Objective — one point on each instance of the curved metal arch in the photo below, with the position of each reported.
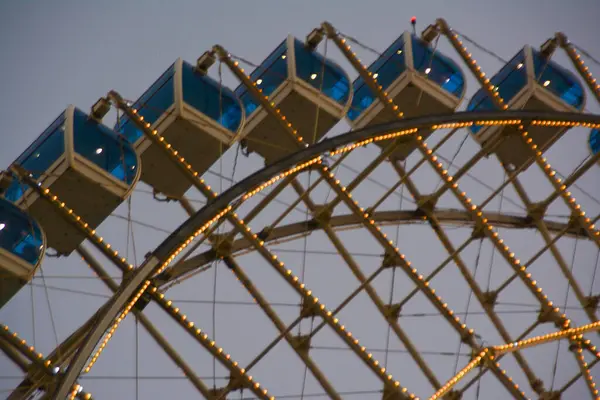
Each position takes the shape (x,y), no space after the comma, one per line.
(209,211)
(350,221)
(255,179)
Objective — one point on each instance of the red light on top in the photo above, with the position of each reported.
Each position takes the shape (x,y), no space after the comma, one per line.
(413,20)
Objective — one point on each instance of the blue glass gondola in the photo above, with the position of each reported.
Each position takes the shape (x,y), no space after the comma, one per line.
(196,115)
(22,247)
(594,141)
(86,164)
(419,80)
(311,91)
(530,81)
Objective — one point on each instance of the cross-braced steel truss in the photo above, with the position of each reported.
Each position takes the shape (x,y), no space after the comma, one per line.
(221,233)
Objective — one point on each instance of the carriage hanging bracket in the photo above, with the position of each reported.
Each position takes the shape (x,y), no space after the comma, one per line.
(205,61)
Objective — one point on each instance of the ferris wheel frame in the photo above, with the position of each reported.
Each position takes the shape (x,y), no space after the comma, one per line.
(138,280)
(135,281)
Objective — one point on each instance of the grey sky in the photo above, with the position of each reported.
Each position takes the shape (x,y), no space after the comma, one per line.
(72,52)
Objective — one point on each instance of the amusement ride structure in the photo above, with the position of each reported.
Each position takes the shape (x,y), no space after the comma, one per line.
(403,109)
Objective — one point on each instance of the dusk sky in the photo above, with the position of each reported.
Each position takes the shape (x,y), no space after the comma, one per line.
(59,53)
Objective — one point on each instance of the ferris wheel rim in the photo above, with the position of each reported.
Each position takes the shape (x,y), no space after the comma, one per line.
(292,231)
(256,178)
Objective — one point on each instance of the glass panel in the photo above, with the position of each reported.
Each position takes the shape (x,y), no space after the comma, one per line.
(268,76)
(152,105)
(595,141)
(202,93)
(19,234)
(437,67)
(558,80)
(105,148)
(309,68)
(509,81)
(39,156)
(386,69)
(15,190)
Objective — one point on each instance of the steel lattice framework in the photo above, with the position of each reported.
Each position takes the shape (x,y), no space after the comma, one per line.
(235,209)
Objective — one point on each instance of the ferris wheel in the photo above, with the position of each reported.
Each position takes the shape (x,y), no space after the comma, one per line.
(311,245)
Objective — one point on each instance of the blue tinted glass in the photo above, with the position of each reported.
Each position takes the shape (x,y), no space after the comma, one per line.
(387,68)
(40,156)
(203,93)
(15,191)
(309,68)
(152,105)
(103,147)
(437,67)
(268,76)
(19,234)
(595,141)
(558,80)
(509,81)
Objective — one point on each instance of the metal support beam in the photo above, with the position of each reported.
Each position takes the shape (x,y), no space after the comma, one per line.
(353,265)
(560,261)
(534,381)
(150,328)
(272,315)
